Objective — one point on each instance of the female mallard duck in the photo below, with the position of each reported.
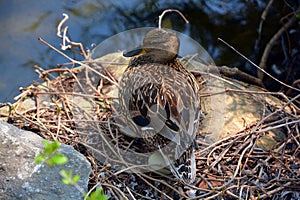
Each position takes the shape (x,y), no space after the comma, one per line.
(160,102)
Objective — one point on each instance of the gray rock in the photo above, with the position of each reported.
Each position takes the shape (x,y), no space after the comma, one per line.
(21,178)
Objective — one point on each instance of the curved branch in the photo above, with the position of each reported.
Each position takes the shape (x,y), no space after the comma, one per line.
(271,43)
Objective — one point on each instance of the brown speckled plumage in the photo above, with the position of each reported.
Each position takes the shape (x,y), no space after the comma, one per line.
(160,102)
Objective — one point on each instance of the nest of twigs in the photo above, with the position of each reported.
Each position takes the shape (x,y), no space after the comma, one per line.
(231,168)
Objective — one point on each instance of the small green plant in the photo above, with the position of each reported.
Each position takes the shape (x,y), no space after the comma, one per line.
(97,195)
(50,156)
(68,178)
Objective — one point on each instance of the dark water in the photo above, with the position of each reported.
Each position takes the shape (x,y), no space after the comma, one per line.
(92,21)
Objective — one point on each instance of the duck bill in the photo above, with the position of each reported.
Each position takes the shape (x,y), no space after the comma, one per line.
(135,52)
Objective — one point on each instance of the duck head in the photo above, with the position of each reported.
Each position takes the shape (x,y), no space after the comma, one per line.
(161,45)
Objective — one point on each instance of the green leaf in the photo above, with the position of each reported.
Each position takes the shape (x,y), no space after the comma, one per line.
(39,159)
(76,178)
(97,195)
(49,162)
(50,148)
(46,143)
(65,181)
(47,146)
(64,173)
(59,159)
(55,145)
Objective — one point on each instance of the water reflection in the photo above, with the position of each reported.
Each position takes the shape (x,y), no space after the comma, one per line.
(92,21)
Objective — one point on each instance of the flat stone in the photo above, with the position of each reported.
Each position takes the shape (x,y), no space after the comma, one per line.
(21,178)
